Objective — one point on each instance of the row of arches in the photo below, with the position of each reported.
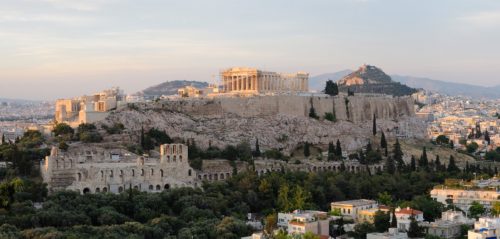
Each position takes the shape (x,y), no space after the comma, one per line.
(151,188)
(132,173)
(214,176)
(63,164)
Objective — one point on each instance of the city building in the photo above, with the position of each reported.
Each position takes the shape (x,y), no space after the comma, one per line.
(351,208)
(302,221)
(463,197)
(88,109)
(368,215)
(404,217)
(449,226)
(485,228)
(393,233)
(254,81)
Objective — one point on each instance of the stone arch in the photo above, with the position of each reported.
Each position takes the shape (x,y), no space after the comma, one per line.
(136,187)
(57,163)
(111,173)
(175,157)
(221,176)
(142,172)
(151,187)
(121,173)
(79,177)
(189,172)
(167,186)
(86,190)
(228,175)
(152,172)
(158,187)
(120,189)
(209,176)
(97,190)
(133,173)
(102,174)
(161,173)
(216,176)
(70,163)
(104,189)
(205,176)
(63,163)
(168,158)
(180,158)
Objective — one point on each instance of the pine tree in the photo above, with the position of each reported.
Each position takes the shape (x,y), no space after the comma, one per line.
(413,166)
(389,166)
(331,151)
(331,88)
(383,142)
(374,129)
(338,149)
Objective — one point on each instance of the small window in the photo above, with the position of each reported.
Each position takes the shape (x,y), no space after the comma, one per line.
(142,172)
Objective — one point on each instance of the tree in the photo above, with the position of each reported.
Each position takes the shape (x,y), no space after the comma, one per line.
(389,166)
(257,148)
(270,223)
(361,229)
(338,149)
(452,167)
(312,113)
(442,140)
(413,164)
(415,230)
(394,221)
(300,198)
(398,154)
(381,221)
(383,142)
(63,146)
(331,88)
(384,198)
(307,150)
(331,151)
(374,127)
(424,161)
(495,209)
(487,137)
(63,129)
(472,147)
(284,203)
(3,139)
(476,209)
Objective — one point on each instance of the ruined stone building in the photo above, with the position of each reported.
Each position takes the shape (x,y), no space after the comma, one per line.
(88,109)
(93,170)
(252,80)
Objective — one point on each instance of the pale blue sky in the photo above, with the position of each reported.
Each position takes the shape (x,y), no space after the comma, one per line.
(59,48)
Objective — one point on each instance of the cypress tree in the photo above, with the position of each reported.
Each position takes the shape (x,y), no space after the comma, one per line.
(338,149)
(374,125)
(257,148)
(398,153)
(437,162)
(331,88)
(331,151)
(394,221)
(307,151)
(487,137)
(452,167)
(383,142)
(389,166)
(424,161)
(3,139)
(413,166)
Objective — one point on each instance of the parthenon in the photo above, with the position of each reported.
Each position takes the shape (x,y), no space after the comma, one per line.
(252,80)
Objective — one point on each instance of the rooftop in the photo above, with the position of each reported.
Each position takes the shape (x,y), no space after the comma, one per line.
(355,203)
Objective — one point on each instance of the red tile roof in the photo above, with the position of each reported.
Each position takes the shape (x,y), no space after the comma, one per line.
(409,211)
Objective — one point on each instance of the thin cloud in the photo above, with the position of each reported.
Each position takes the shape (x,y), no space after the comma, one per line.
(483,19)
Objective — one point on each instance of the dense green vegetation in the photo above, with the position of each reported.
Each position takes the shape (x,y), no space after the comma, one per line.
(215,211)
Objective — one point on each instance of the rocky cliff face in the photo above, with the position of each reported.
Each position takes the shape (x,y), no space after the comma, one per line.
(171,87)
(229,121)
(370,79)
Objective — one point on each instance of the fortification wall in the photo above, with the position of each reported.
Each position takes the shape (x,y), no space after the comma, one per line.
(358,108)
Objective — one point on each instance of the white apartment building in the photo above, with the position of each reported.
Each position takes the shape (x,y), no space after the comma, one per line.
(485,228)
(299,222)
(404,216)
(449,226)
(393,233)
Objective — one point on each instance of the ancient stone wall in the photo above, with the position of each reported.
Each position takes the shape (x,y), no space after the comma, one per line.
(358,108)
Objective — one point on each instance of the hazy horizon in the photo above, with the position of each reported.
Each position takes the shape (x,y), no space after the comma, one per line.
(62,48)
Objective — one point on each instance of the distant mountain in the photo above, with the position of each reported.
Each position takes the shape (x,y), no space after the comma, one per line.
(171,87)
(371,79)
(450,88)
(317,83)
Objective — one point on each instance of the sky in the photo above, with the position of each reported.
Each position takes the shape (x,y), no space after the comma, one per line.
(53,49)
